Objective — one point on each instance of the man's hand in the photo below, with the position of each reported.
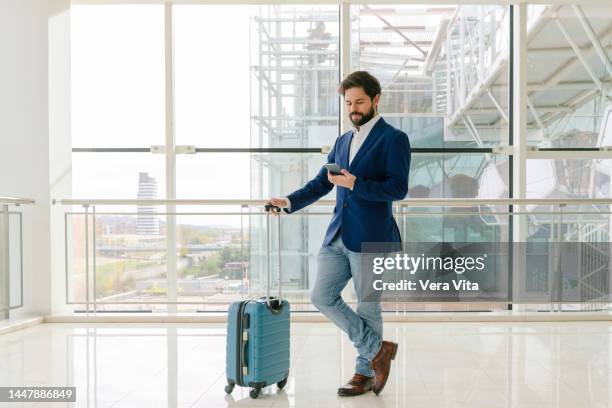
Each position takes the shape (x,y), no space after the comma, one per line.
(278,202)
(345,179)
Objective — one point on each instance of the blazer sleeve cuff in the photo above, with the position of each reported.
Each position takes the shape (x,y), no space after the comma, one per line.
(288,209)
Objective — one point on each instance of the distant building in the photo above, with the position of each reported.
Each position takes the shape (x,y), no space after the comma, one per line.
(235,270)
(147,223)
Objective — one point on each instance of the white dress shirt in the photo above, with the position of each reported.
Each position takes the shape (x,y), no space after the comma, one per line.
(359,136)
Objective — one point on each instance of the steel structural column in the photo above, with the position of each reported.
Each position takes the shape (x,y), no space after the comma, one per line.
(170,162)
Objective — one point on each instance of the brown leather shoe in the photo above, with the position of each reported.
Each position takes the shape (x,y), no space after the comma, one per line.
(357,385)
(382,365)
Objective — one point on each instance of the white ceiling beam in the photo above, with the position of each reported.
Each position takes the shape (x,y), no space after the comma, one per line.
(536,116)
(561,86)
(413,43)
(500,65)
(579,55)
(568,67)
(557,52)
(405,29)
(387,55)
(436,46)
(541,109)
(393,67)
(599,49)
(498,106)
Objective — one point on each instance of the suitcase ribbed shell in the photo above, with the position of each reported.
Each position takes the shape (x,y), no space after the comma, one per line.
(268,344)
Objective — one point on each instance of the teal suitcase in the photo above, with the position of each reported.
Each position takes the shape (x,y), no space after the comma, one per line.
(258,345)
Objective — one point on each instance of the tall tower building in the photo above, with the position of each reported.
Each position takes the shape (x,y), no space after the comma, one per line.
(148,222)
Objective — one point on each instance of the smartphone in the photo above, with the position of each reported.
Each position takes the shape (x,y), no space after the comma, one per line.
(333,168)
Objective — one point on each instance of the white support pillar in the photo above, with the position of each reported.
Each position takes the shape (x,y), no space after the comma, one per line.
(60,151)
(25,143)
(170,163)
(519,126)
(520,100)
(345,59)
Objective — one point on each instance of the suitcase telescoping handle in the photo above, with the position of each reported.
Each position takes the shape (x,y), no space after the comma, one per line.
(269,208)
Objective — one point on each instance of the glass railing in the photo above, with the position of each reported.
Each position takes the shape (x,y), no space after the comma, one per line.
(11,254)
(190,256)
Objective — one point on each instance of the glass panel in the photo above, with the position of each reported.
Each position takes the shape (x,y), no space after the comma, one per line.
(578,269)
(295,75)
(10,253)
(429,59)
(15,261)
(117,75)
(588,277)
(75,259)
(222,258)
(567,108)
(284,173)
(212,78)
(243,175)
(423,131)
(564,178)
(118,175)
(213,176)
(130,258)
(276,85)
(458,175)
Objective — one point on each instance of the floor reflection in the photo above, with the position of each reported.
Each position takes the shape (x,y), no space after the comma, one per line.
(438,365)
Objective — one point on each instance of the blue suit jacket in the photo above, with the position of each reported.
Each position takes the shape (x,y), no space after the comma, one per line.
(364,214)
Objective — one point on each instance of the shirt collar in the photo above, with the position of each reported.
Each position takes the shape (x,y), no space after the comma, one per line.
(364,129)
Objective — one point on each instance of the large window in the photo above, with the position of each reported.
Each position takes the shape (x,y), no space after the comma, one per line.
(251,93)
(568,83)
(117,83)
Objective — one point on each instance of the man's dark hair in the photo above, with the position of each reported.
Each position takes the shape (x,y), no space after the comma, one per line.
(361,79)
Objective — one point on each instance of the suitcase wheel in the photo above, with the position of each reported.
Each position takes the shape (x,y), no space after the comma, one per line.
(282,384)
(254,393)
(229,388)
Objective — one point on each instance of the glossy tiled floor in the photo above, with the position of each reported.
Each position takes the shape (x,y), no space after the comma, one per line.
(438,365)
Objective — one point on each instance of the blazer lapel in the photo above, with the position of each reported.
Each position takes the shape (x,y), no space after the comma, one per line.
(343,156)
(372,137)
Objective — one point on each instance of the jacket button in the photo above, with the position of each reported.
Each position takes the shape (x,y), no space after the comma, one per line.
(345,205)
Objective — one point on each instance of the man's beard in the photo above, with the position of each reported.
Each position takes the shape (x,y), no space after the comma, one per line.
(362,119)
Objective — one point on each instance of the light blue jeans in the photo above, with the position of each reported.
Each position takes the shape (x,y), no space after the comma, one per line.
(364,326)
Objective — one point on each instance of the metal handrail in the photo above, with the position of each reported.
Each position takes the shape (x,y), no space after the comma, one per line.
(411,202)
(16,200)
(91,204)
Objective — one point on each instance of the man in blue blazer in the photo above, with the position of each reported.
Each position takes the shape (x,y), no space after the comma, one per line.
(375,161)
